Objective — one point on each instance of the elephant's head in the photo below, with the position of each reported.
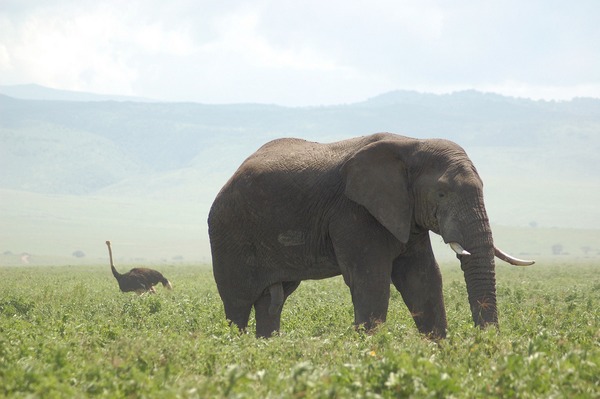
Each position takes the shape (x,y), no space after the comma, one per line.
(415,185)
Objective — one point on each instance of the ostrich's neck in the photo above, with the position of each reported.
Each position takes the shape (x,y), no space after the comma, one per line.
(115,272)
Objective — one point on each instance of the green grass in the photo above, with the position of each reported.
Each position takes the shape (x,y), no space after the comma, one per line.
(68,332)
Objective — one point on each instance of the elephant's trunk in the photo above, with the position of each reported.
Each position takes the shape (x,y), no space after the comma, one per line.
(480,277)
(469,234)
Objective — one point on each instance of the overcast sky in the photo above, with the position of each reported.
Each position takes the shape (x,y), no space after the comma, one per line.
(305,52)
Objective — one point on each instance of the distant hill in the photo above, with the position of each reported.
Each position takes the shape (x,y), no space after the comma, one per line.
(37,92)
(91,145)
(539,159)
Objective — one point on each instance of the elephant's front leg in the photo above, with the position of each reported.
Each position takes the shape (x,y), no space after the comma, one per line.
(365,262)
(416,275)
(370,297)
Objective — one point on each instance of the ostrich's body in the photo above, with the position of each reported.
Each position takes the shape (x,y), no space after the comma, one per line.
(139,279)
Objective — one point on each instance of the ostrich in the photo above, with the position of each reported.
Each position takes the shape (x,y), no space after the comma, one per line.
(139,279)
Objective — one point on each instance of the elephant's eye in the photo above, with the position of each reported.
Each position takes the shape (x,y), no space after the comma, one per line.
(441,194)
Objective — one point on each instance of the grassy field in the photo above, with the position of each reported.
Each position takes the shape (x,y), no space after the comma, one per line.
(66,331)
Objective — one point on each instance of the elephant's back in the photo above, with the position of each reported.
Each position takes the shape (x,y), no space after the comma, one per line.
(286,154)
(283,175)
(293,155)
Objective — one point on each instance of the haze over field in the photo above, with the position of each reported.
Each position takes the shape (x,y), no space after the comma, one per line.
(76,173)
(113,152)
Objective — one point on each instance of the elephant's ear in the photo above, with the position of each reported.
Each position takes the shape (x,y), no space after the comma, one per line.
(377,179)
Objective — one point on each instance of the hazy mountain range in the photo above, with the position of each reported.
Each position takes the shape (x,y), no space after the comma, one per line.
(540,160)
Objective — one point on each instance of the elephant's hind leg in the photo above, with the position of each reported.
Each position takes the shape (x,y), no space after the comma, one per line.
(267,322)
(238,314)
(268,307)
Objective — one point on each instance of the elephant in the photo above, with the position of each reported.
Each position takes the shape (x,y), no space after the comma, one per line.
(363,208)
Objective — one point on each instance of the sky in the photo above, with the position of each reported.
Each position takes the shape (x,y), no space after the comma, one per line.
(304,52)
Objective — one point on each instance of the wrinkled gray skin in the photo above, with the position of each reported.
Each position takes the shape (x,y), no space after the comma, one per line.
(363,208)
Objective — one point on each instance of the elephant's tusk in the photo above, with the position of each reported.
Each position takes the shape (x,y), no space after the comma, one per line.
(512,260)
(456,247)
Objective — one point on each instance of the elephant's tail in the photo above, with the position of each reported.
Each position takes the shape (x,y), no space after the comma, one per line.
(276,292)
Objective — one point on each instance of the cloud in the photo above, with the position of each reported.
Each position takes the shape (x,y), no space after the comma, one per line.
(71,49)
(238,37)
(295,53)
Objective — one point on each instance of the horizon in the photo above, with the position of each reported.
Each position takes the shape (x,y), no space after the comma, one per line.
(48,92)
